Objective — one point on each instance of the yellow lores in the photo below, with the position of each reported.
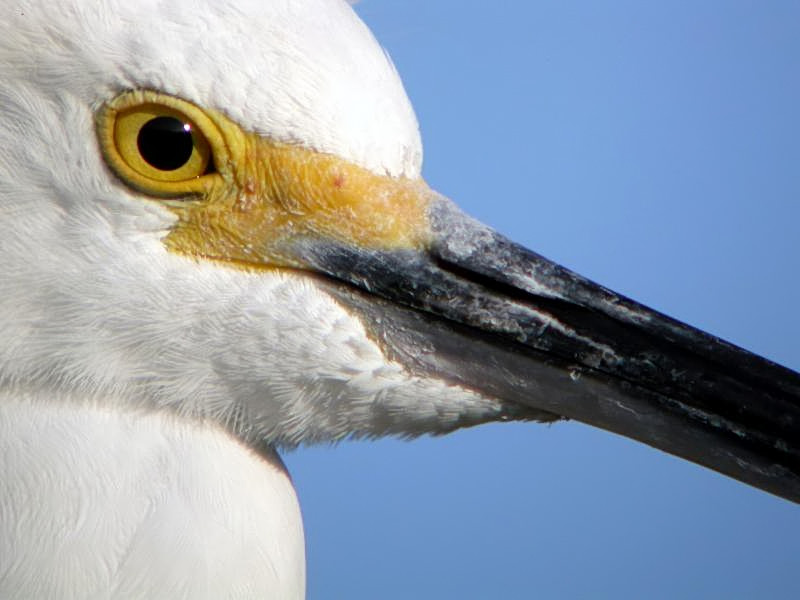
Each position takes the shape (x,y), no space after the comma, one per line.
(243,196)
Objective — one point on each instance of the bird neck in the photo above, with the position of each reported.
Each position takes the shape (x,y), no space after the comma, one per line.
(140,505)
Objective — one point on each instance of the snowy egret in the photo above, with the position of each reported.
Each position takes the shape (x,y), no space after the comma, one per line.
(285,279)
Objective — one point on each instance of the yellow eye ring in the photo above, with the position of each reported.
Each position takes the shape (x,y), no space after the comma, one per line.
(160,144)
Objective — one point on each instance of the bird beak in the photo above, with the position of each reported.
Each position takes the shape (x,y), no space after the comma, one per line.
(452,299)
(482,312)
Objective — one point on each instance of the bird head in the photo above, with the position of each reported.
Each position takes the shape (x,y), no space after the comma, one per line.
(217,211)
(189,285)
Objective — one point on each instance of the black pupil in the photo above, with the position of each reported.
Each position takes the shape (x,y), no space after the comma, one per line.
(165,143)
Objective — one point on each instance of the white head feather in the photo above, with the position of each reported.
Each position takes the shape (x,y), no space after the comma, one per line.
(94,307)
(305,72)
(106,337)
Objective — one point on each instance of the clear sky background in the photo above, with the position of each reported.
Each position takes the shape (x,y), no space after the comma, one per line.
(655,148)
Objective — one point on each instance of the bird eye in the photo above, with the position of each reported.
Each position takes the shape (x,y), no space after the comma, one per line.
(165,143)
(161,143)
(157,143)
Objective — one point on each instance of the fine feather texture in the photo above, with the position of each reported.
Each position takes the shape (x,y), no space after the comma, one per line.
(114,350)
(306,72)
(153,508)
(94,305)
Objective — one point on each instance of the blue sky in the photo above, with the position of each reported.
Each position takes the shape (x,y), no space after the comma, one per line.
(655,148)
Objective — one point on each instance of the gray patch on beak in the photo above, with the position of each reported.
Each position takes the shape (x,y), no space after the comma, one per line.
(481,311)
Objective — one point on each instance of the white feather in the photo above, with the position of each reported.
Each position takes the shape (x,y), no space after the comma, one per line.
(139,390)
(303,71)
(153,508)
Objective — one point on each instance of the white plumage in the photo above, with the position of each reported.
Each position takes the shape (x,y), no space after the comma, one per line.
(122,361)
(132,504)
(146,377)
